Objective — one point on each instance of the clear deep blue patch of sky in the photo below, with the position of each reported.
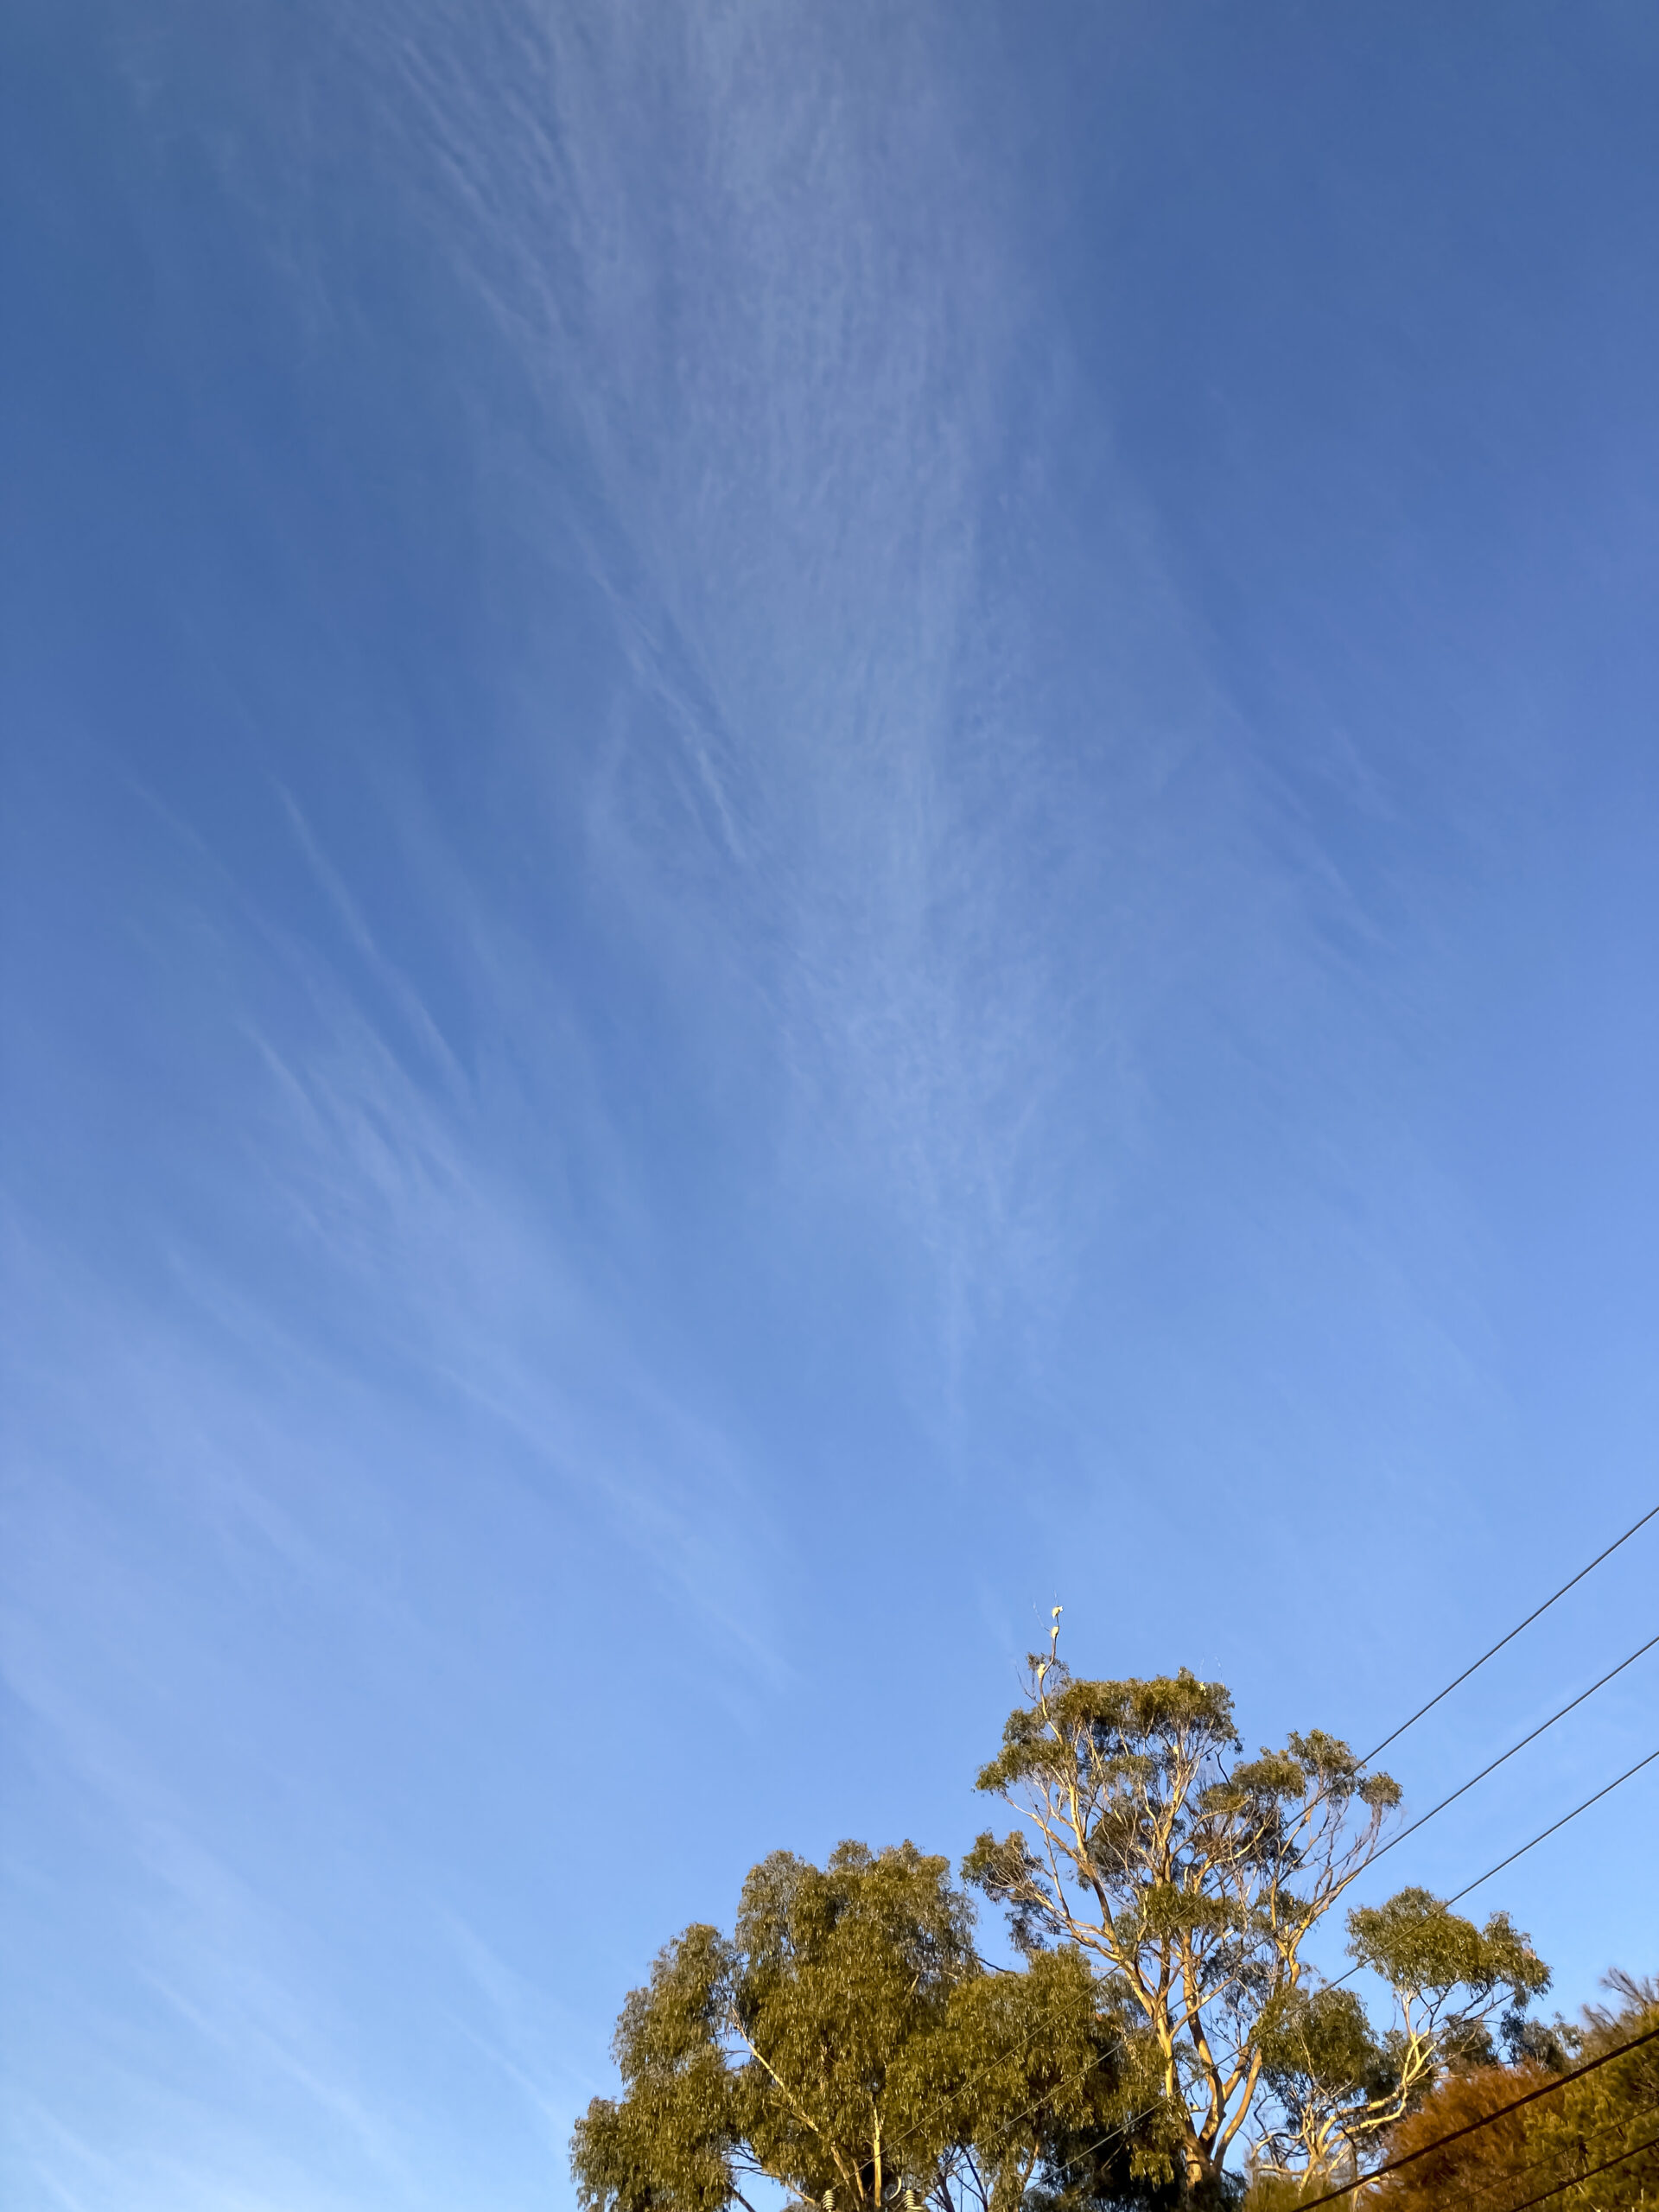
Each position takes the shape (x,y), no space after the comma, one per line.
(818,824)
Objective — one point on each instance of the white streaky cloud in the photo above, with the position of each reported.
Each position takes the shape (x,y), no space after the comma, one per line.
(792,360)
(391,1198)
(466,1278)
(57,2158)
(527,2034)
(786,361)
(762,280)
(215,1954)
(390,977)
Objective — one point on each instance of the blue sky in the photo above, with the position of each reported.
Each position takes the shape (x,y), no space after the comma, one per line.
(818,824)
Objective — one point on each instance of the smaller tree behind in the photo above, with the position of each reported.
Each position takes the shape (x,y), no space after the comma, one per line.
(1334,2084)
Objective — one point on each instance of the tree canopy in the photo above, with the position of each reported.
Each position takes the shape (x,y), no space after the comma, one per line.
(847,2042)
(1161,2037)
(1188,1876)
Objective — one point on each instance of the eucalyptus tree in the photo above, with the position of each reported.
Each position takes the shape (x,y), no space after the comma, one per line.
(1190,1879)
(848,2043)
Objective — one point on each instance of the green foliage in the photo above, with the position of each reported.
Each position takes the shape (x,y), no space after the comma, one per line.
(1320,2041)
(1136,1732)
(1417,1945)
(848,2043)
(845,1980)
(669,2143)
(1189,1876)
(1332,2083)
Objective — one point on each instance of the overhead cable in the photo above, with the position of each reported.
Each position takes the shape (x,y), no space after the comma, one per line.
(1652,1512)
(1561,2187)
(1605,1790)
(1458,1895)
(1412,1829)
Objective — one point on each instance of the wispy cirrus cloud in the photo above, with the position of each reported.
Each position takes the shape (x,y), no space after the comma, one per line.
(764,285)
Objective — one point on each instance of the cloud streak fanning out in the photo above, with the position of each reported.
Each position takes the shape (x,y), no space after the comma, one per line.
(765,285)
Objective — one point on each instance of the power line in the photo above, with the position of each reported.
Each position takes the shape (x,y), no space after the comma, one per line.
(1561,2187)
(1604,1791)
(1473,2127)
(1475,1666)
(1574,1702)
(1652,1512)
(1458,1895)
